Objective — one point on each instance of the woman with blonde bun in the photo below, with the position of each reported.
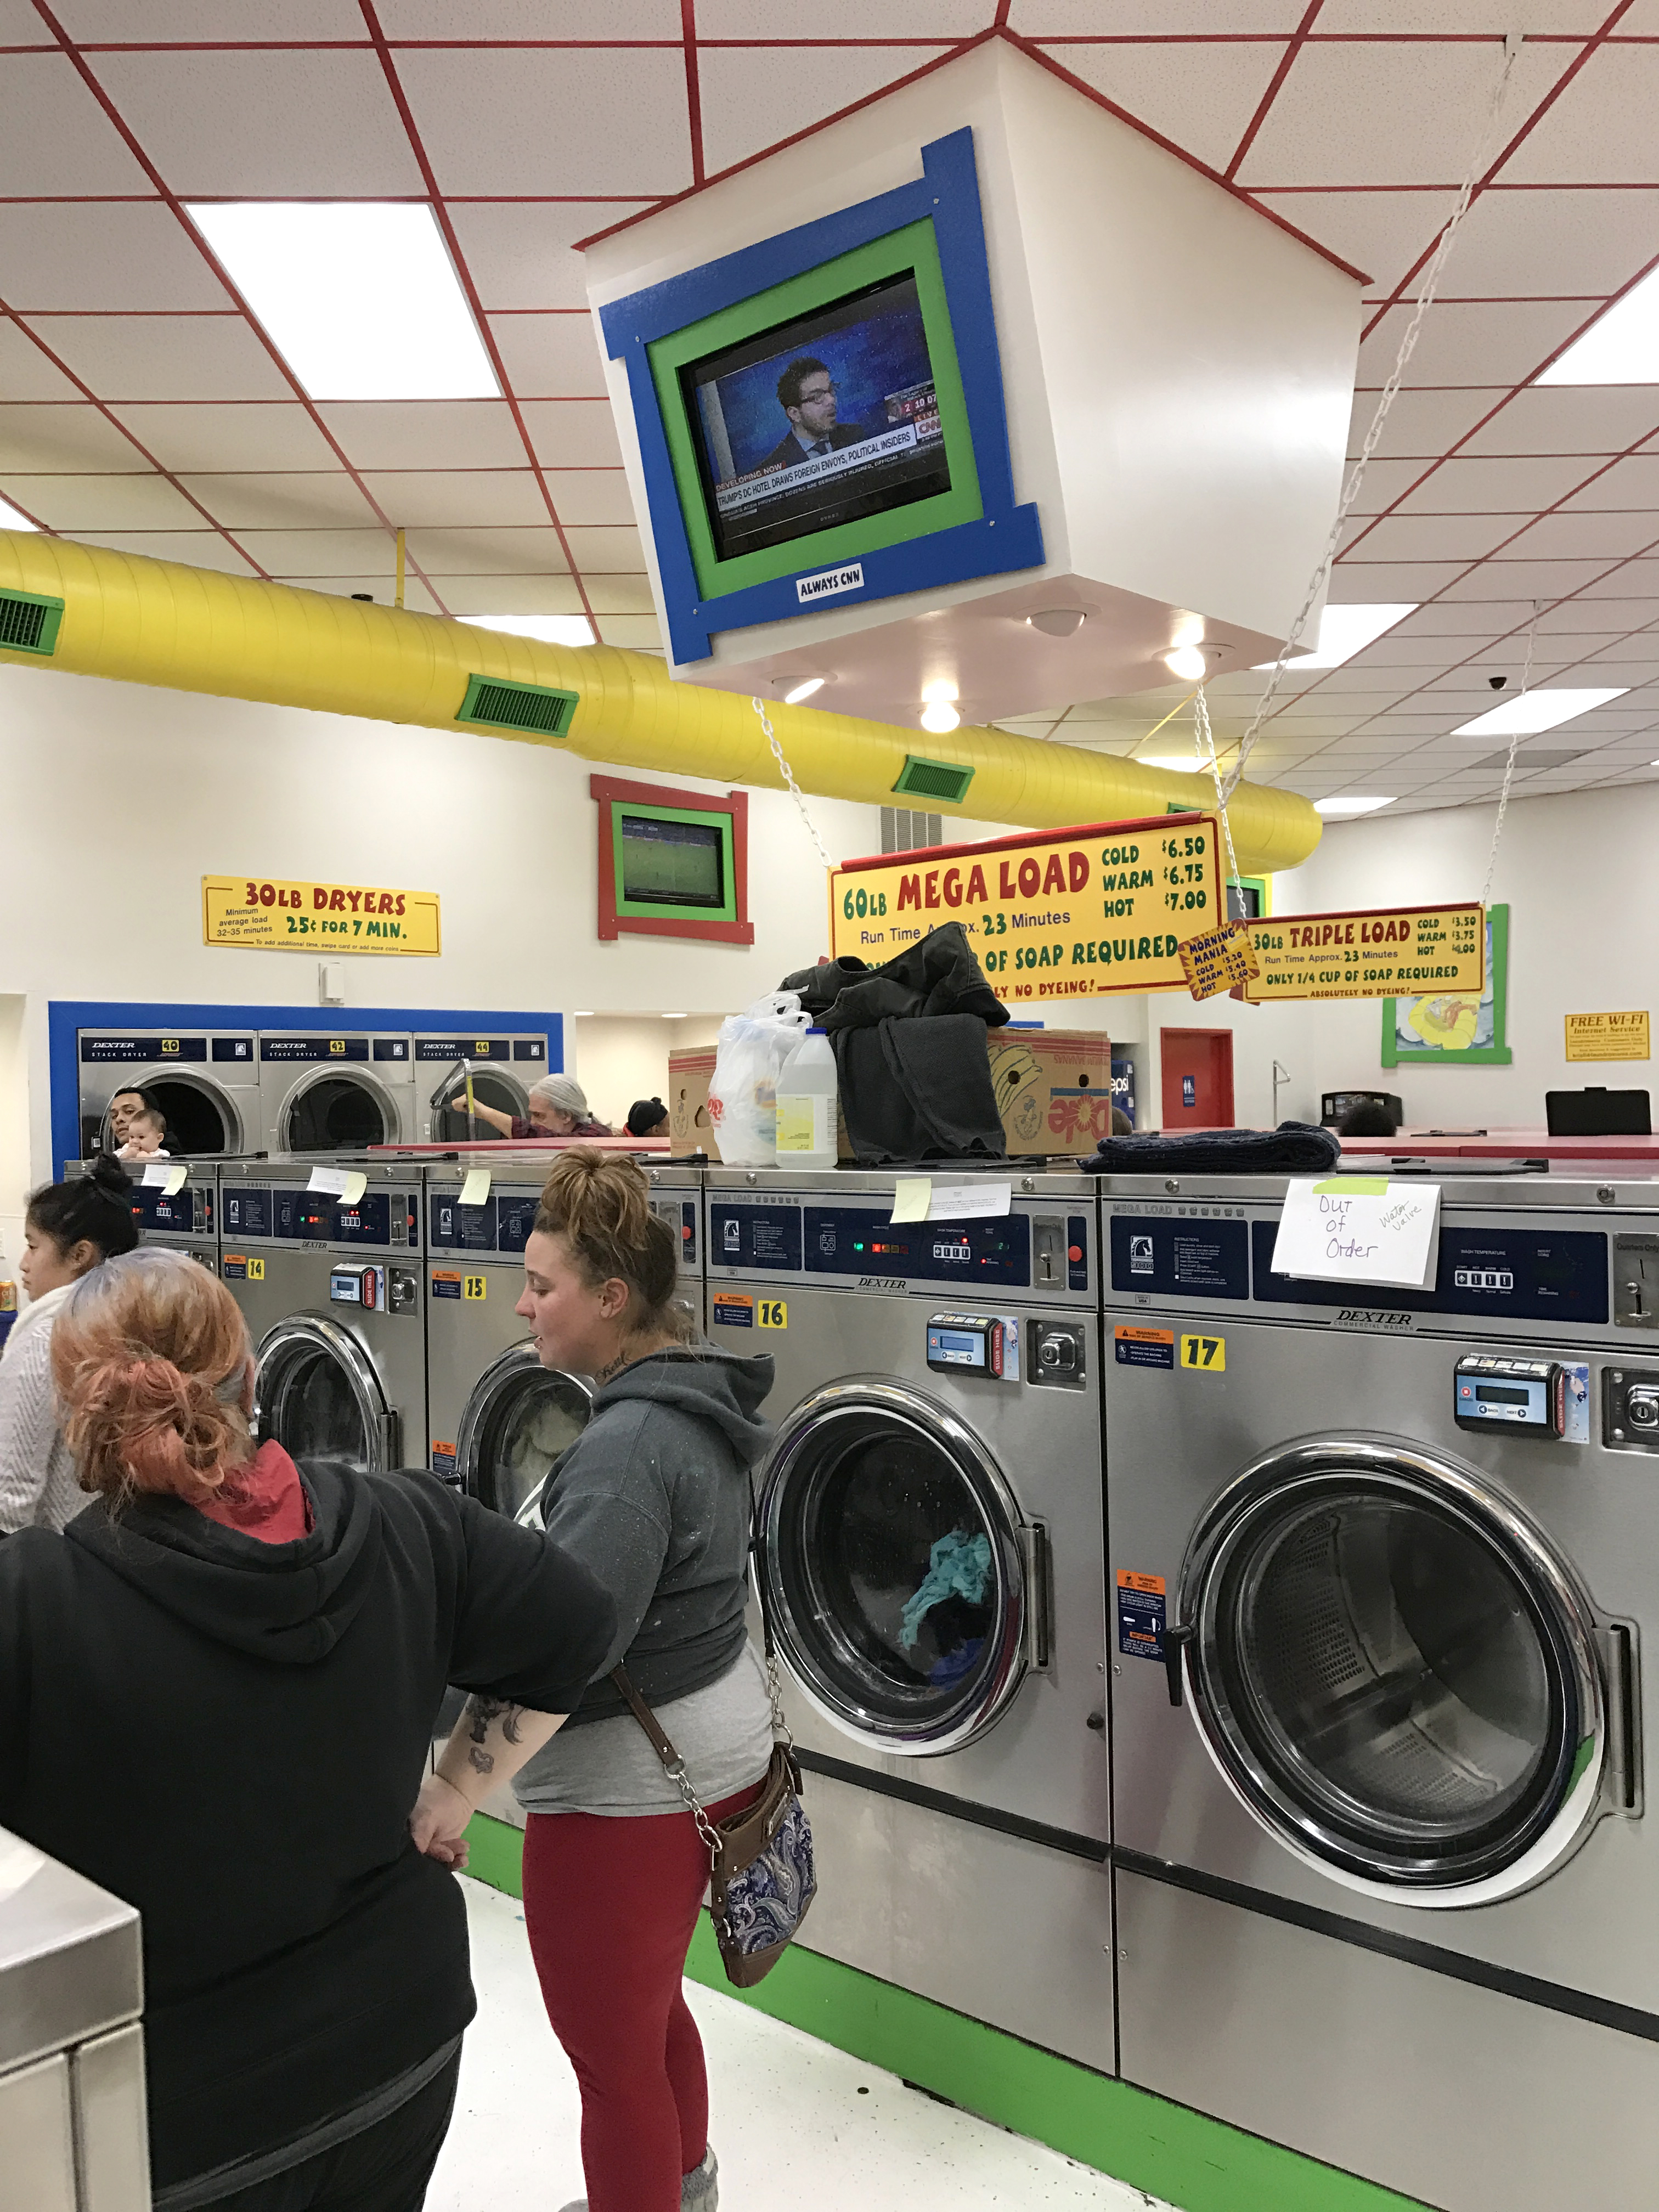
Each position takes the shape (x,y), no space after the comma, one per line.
(217,1692)
(653,1497)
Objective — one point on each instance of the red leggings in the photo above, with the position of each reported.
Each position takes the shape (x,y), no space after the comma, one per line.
(610,1906)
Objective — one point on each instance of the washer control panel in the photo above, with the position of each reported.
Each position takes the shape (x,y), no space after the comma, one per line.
(975,1343)
(1549,1397)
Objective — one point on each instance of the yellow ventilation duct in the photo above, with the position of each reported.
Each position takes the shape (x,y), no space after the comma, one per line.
(95,612)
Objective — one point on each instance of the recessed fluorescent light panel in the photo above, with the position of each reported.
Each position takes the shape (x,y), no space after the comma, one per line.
(360,300)
(1344,631)
(1544,709)
(1622,347)
(1174,766)
(1337,807)
(550,629)
(10,519)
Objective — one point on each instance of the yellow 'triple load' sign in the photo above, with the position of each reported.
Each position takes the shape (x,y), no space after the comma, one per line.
(1607,1037)
(1390,952)
(276,915)
(1067,914)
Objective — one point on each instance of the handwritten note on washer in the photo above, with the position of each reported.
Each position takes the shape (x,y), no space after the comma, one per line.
(919,1198)
(1360,1229)
(347,1184)
(160,1176)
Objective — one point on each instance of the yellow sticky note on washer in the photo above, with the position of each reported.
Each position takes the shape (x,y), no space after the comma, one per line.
(475,1187)
(911,1194)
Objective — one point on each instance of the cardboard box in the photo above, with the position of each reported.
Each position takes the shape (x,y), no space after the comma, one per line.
(1053,1087)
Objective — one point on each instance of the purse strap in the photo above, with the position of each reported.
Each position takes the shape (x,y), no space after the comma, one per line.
(673,1765)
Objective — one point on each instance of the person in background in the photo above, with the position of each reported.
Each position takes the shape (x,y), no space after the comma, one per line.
(69,1229)
(1121,1125)
(146,1137)
(558,1108)
(217,1691)
(653,1497)
(122,1108)
(1368,1119)
(648,1117)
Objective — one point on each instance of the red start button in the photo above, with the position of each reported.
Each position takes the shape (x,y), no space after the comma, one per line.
(1074,1252)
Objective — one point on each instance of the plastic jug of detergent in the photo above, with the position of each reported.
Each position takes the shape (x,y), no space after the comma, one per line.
(806,1104)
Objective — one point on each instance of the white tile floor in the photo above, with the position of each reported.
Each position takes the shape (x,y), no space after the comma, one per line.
(794,2122)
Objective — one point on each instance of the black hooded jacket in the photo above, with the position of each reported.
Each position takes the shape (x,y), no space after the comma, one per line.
(230,1736)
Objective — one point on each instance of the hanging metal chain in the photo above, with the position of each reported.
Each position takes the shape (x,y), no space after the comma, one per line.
(759,707)
(1207,756)
(1390,390)
(1509,765)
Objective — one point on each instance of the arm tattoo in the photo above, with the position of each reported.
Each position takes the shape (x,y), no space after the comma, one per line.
(480,1761)
(483,1711)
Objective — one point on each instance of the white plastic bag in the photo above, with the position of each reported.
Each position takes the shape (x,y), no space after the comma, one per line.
(749,1052)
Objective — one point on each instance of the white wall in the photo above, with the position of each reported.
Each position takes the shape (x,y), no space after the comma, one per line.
(619,1058)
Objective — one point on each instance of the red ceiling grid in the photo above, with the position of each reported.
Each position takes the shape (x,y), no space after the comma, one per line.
(142,406)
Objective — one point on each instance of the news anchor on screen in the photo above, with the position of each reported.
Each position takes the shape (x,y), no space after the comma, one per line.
(806,393)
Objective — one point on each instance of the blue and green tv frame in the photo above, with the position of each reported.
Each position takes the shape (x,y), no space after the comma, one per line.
(922,243)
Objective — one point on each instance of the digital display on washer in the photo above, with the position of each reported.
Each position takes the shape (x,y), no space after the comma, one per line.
(247,1212)
(457,1228)
(844,1240)
(1514,1274)
(318,1217)
(754,1236)
(174,1214)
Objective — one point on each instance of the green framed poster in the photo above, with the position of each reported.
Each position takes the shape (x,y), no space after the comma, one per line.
(1454,1028)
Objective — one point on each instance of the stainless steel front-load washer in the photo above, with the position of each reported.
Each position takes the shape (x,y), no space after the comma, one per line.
(175,1206)
(331,1288)
(929,1537)
(1384,1880)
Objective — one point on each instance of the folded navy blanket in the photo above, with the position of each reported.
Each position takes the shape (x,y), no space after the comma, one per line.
(1293,1148)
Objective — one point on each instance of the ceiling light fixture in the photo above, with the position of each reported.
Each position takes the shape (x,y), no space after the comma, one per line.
(361,299)
(11,519)
(1188,663)
(804,690)
(1620,346)
(548,630)
(1344,631)
(941,717)
(1533,711)
(1337,807)
(1057,621)
(1169,762)
(673,1018)
(583,1014)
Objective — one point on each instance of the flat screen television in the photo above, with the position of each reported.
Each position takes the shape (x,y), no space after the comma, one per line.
(671,863)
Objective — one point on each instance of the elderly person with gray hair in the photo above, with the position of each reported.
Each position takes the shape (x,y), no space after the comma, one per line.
(558,1108)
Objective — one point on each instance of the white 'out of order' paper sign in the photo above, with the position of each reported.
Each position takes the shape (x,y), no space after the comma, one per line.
(1360,1229)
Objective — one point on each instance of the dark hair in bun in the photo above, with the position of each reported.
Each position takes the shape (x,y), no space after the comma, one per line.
(599,1203)
(645,1117)
(95,1207)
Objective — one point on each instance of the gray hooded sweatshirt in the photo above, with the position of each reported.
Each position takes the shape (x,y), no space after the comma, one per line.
(654,1499)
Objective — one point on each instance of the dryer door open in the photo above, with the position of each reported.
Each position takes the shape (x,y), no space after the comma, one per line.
(491,1086)
(905,1592)
(519,1418)
(316,1391)
(1394,1672)
(337,1109)
(201,1117)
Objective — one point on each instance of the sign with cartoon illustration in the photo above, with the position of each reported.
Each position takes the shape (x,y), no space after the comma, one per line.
(1452,1029)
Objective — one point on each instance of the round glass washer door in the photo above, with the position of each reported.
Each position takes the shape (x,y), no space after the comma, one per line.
(890,1547)
(201,1118)
(519,1419)
(337,1110)
(316,1392)
(1394,1672)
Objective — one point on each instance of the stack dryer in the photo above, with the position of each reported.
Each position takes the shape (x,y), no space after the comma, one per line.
(1384,1876)
(334,1091)
(205,1081)
(929,1536)
(503,1068)
(331,1289)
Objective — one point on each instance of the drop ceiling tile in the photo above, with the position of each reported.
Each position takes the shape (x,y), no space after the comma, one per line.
(572,433)
(125,255)
(1517,243)
(20,26)
(284,124)
(635,630)
(89,502)
(379,585)
(614,552)
(164,357)
(1566,418)
(1381,233)
(118,22)
(54,137)
(1427,423)
(1368,582)
(1454,620)
(1598,611)
(531,550)
(25,372)
(1199,95)
(508,595)
(196,549)
(525,257)
(49,438)
(1638,579)
(1631,484)
(294,502)
(1384,483)
(591,496)
(321,552)
(552,355)
(1601,130)
(1586,537)
(1040,19)
(622,21)
(421,434)
(208,436)
(752,97)
(1552,579)
(1513,485)
(450,498)
(764,21)
(1453,537)
(509,121)
(1481,343)
(1410,113)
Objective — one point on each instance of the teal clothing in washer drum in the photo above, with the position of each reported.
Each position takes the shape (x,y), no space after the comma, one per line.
(653,1498)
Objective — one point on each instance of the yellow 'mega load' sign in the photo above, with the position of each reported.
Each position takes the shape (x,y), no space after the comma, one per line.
(277,915)
(1072,914)
(1389,952)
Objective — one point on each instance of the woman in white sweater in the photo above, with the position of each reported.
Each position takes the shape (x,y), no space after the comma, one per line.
(69,1229)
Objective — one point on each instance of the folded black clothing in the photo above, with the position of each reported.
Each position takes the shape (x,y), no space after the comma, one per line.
(917,1089)
(819,987)
(1293,1148)
(940,975)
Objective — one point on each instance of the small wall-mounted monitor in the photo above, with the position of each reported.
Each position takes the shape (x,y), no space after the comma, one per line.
(671,861)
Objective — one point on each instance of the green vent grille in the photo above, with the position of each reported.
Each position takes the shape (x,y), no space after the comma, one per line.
(932,779)
(28,622)
(499,705)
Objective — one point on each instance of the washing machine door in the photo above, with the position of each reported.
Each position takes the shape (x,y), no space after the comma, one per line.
(316,1391)
(905,1592)
(337,1109)
(1394,1671)
(519,1419)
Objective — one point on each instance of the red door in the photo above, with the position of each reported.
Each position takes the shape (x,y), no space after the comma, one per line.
(1198,1079)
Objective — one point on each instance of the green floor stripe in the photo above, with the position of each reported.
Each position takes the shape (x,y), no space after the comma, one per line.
(1200,2164)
